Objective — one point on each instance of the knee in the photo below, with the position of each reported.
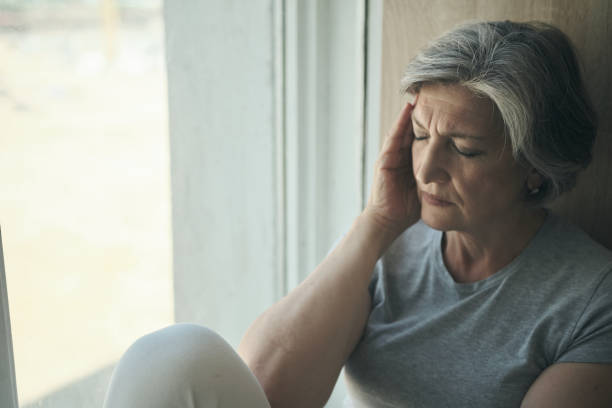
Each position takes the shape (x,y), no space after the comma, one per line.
(186,363)
(190,337)
(179,348)
(162,366)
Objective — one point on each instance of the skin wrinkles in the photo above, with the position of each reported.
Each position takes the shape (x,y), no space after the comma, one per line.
(419,125)
(487,223)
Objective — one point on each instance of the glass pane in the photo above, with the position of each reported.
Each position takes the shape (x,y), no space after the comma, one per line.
(84,189)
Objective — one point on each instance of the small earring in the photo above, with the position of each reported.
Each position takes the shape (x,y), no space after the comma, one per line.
(534,191)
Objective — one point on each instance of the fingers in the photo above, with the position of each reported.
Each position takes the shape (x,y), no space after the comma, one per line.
(396,139)
(408,136)
(402,121)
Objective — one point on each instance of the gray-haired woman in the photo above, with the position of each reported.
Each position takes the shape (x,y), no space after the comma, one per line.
(455,286)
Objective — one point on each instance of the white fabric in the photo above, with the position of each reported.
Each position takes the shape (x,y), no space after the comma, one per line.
(183,366)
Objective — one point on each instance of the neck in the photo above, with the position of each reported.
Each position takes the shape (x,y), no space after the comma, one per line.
(474,255)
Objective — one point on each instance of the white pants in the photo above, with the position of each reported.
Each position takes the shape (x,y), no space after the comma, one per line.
(183,366)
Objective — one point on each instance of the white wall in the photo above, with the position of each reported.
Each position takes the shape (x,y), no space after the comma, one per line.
(220,58)
(269,148)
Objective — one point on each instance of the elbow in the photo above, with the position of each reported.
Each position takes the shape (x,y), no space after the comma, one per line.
(270,375)
(272,385)
(281,380)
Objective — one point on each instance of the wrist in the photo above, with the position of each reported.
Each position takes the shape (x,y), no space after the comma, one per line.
(380,232)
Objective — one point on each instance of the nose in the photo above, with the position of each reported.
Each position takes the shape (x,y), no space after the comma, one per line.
(430,164)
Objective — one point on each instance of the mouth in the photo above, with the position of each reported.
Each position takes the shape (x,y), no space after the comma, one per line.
(434,200)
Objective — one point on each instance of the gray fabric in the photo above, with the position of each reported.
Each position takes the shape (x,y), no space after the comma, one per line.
(432,342)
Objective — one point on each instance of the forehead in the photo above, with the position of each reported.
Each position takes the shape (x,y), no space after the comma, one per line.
(454,108)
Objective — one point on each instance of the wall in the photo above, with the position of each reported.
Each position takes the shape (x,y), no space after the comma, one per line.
(220,59)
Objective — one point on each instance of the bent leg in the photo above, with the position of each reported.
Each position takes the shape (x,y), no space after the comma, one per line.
(183,366)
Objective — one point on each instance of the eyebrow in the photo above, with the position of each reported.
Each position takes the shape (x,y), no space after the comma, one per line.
(457,135)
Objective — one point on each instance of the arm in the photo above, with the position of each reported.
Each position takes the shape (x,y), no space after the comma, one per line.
(297,347)
(566,385)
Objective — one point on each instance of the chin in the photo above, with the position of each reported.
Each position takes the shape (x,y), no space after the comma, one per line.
(439,220)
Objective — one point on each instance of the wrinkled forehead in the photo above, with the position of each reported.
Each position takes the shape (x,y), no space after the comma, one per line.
(454,108)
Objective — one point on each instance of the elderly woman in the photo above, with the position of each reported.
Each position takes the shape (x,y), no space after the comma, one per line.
(455,286)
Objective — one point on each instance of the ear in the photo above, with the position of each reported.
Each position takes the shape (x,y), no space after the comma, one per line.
(534,179)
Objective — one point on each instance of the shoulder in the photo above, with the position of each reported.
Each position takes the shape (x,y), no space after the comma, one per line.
(563,262)
(572,240)
(563,246)
(574,277)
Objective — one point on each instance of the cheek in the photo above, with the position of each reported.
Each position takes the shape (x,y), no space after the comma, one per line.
(488,187)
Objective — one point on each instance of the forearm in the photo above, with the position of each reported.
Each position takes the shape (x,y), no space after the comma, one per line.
(298,346)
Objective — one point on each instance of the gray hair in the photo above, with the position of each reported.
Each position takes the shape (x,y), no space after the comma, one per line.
(530,72)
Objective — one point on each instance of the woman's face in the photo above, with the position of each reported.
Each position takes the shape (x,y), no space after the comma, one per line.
(466,175)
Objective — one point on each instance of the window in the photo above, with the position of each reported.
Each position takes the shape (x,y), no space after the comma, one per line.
(269,156)
(84,189)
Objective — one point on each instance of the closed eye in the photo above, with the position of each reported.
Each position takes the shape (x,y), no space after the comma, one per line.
(462,152)
(466,153)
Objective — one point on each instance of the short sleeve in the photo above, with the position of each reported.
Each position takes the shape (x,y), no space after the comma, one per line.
(592,335)
(375,289)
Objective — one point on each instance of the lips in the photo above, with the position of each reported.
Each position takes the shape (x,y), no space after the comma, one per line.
(434,200)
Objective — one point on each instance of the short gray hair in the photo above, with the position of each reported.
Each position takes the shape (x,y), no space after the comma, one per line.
(530,72)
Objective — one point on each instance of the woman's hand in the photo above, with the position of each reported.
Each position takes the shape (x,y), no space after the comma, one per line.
(393,201)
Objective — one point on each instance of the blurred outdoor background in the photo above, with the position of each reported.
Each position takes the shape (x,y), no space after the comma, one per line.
(85,202)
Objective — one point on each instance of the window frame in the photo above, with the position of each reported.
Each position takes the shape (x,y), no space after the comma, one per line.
(8,386)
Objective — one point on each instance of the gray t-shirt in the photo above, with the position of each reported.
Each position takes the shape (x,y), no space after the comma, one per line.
(432,342)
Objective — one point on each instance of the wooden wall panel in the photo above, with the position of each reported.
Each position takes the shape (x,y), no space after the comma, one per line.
(409,25)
